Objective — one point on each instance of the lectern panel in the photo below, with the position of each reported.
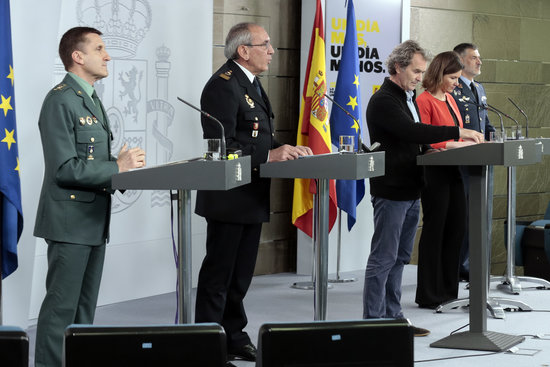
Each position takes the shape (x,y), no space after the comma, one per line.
(189,175)
(508,153)
(343,166)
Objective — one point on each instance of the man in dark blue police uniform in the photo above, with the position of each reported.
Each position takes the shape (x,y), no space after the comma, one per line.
(234,217)
(472,102)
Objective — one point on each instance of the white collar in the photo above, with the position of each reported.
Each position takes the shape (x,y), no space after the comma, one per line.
(247,72)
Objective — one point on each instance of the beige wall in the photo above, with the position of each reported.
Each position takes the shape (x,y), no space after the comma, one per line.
(516,64)
(511,37)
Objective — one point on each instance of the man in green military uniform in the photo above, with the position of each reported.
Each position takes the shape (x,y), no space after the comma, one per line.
(75,202)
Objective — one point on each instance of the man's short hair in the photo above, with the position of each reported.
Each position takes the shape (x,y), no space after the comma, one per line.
(403,54)
(443,64)
(238,35)
(461,48)
(73,40)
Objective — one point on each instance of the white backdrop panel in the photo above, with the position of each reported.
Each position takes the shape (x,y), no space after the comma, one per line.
(160,50)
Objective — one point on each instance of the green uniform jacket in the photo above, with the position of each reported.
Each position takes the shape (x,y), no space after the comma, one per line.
(75,201)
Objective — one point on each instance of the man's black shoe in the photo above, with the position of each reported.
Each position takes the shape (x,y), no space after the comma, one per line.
(246,352)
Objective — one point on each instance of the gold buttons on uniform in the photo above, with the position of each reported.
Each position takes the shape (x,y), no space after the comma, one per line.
(72,197)
(92,139)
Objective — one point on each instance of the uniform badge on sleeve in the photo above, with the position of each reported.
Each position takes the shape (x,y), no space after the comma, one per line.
(249,100)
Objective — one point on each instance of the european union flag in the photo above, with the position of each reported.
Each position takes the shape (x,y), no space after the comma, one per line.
(347,94)
(11,216)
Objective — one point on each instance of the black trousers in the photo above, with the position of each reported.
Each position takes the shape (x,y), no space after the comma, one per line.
(225,275)
(444,225)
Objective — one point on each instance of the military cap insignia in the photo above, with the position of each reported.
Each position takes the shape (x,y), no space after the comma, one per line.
(226,75)
(249,100)
(60,86)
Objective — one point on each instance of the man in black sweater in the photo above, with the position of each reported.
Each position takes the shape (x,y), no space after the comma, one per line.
(393,121)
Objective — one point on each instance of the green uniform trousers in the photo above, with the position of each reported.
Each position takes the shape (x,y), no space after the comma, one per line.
(72,287)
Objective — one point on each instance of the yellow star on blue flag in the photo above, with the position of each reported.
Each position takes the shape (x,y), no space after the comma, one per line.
(11,215)
(347,95)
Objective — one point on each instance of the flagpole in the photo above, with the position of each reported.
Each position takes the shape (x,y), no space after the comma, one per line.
(338,249)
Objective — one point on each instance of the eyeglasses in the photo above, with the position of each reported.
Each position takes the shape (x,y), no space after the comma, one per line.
(265,45)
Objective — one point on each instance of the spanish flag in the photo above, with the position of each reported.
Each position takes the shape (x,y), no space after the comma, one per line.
(313,128)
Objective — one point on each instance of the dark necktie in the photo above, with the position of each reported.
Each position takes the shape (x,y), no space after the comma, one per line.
(474,91)
(256,84)
(97,103)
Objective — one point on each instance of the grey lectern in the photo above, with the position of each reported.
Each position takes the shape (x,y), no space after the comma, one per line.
(478,157)
(510,281)
(323,168)
(185,176)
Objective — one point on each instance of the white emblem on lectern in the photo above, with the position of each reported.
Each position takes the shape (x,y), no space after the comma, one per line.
(238,172)
(520,152)
(371,164)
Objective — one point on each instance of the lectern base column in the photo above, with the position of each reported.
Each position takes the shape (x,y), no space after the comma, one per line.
(488,340)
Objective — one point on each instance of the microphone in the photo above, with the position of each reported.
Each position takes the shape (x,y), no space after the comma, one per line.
(222,140)
(518,126)
(489,108)
(524,115)
(360,146)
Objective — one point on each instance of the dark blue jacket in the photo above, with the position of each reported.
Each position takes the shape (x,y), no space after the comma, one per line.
(473,117)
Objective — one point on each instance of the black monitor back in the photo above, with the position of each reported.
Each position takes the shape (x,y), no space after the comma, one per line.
(14,347)
(145,346)
(336,343)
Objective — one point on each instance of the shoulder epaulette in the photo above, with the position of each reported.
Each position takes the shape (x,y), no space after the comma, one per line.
(59,86)
(227,75)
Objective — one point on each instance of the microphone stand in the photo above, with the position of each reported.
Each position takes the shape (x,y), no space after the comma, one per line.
(502,131)
(518,126)
(222,140)
(524,115)
(359,142)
